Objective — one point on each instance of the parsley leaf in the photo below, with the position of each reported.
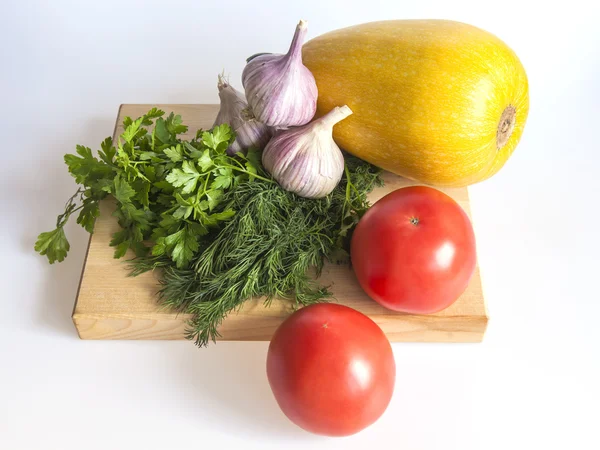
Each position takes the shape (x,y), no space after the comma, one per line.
(161,131)
(219,139)
(123,192)
(214,197)
(223,180)
(174,124)
(88,214)
(174,153)
(154,113)
(131,131)
(186,177)
(85,167)
(108,152)
(183,245)
(53,244)
(205,161)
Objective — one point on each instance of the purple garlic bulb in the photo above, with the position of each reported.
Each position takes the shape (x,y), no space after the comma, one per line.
(235,112)
(280,90)
(306,160)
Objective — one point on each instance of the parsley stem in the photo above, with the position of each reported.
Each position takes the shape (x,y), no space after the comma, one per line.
(268,180)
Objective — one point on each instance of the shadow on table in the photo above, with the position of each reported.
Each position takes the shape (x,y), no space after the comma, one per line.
(45,196)
(228,385)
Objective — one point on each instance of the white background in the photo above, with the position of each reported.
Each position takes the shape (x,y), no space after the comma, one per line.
(534,383)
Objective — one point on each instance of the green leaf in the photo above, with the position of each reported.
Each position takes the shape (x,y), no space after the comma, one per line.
(160,247)
(163,185)
(152,114)
(121,250)
(161,132)
(143,191)
(128,237)
(85,168)
(88,214)
(226,171)
(239,179)
(136,216)
(214,197)
(53,244)
(223,136)
(219,139)
(205,161)
(183,212)
(150,172)
(186,178)
(221,182)
(183,244)
(107,154)
(251,170)
(139,248)
(214,219)
(197,228)
(254,157)
(174,124)
(224,180)
(183,201)
(150,156)
(127,121)
(189,147)
(123,192)
(119,237)
(104,185)
(165,199)
(132,129)
(169,223)
(174,153)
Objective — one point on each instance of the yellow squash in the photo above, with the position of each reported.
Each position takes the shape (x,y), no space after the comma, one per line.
(437,101)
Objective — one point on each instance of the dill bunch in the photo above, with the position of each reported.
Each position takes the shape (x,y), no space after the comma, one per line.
(265,250)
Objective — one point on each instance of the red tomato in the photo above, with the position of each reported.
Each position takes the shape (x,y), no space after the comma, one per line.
(331,369)
(414,250)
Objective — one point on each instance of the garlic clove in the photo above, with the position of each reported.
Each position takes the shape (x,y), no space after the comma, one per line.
(235,112)
(280,90)
(306,160)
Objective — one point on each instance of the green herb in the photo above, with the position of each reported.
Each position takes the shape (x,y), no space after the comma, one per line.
(220,228)
(166,188)
(266,249)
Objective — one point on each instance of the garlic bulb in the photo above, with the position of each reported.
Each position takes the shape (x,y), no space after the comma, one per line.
(306,160)
(281,91)
(235,112)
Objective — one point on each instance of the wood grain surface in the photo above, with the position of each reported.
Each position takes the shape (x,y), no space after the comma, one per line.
(111,305)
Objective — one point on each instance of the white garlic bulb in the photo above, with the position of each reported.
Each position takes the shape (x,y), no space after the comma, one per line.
(306,160)
(281,91)
(235,112)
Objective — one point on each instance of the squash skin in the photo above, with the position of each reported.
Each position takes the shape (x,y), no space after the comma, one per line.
(427,96)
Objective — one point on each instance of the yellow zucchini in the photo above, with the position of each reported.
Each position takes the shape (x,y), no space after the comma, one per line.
(441,102)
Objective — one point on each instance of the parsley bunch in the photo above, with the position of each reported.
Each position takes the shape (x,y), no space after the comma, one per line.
(218,226)
(166,188)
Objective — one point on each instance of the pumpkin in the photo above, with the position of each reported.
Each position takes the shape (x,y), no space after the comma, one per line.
(436,101)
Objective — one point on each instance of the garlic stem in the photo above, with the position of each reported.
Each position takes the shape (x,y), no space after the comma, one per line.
(334,116)
(298,39)
(222,83)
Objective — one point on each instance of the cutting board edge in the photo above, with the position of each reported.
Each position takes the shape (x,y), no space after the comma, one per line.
(409,328)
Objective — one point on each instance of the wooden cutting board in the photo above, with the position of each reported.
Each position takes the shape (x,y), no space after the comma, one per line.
(111,305)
